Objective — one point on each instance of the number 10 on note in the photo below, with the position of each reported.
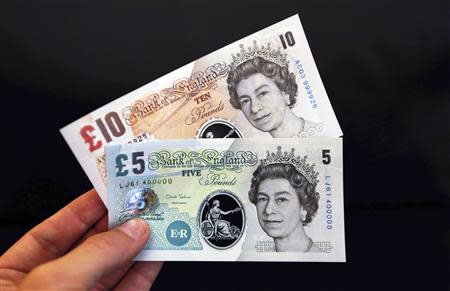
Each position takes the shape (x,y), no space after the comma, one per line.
(111,124)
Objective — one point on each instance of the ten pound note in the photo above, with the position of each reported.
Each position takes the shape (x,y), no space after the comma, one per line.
(232,199)
(264,85)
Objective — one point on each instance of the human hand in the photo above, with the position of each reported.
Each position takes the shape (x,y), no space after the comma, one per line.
(73,250)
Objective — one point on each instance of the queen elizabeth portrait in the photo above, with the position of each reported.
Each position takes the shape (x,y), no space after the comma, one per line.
(283,189)
(260,84)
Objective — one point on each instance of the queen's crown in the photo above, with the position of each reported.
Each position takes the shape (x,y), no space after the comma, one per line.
(265,52)
(289,158)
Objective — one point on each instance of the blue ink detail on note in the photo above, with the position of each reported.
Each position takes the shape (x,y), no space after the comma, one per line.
(136,199)
(178,233)
(158,220)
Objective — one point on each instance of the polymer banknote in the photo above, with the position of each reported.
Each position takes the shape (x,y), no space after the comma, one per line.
(232,199)
(264,85)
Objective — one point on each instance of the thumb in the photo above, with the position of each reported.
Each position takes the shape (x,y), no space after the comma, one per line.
(97,256)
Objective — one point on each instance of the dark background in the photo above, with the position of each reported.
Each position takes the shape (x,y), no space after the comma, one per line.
(386,68)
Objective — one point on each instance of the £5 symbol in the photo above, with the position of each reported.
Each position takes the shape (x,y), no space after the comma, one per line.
(137,162)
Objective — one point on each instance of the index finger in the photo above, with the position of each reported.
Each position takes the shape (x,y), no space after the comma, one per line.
(54,236)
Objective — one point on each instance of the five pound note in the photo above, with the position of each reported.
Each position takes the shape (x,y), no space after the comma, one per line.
(232,199)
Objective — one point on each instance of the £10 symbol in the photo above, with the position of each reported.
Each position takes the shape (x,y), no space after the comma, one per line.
(111,125)
(136,160)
